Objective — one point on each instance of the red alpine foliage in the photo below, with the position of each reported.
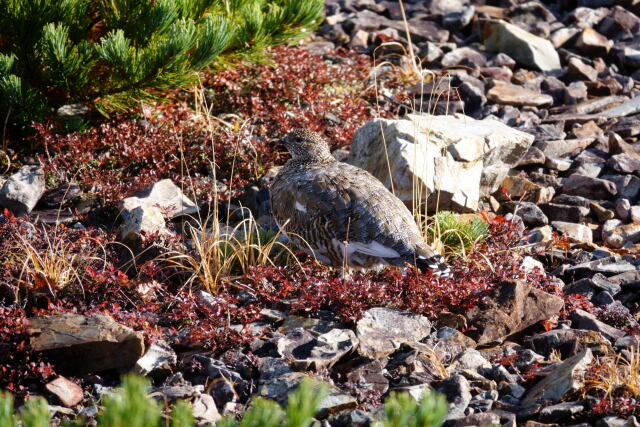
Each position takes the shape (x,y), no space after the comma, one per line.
(21,370)
(315,287)
(259,104)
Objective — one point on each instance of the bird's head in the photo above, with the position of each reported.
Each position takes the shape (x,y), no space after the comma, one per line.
(305,145)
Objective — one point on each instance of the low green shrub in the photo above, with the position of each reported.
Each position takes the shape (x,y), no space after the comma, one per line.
(130,406)
(457,234)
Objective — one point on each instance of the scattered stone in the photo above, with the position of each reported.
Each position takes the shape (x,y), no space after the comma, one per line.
(592,43)
(618,235)
(582,70)
(623,209)
(469,359)
(624,163)
(518,187)
(381,331)
(533,156)
(577,233)
(458,394)
(464,56)
(204,409)
(511,308)
(561,412)
(625,109)
(524,47)
(306,351)
(146,210)
(159,357)
(509,94)
(583,320)
(315,326)
(21,192)
(531,214)
(564,378)
(569,342)
(558,212)
(80,344)
(68,392)
(594,188)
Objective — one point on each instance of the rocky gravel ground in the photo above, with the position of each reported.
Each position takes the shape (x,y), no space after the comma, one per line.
(530,110)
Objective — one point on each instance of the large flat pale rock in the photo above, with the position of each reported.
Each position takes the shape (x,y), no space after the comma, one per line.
(448,161)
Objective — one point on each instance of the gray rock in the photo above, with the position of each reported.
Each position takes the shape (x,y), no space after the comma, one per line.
(381,331)
(204,409)
(592,188)
(464,56)
(509,94)
(511,307)
(80,344)
(21,192)
(577,233)
(625,109)
(277,381)
(569,342)
(623,209)
(454,159)
(561,412)
(591,285)
(624,163)
(159,356)
(583,320)
(618,235)
(531,214)
(582,70)
(558,212)
(604,298)
(469,359)
(355,418)
(458,19)
(533,156)
(457,391)
(315,326)
(611,265)
(524,47)
(612,421)
(564,378)
(306,351)
(147,210)
(565,147)
(627,186)
(592,43)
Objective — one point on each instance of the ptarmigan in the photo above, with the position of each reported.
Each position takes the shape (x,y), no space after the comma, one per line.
(341,214)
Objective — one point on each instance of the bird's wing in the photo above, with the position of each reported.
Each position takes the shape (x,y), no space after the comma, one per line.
(343,202)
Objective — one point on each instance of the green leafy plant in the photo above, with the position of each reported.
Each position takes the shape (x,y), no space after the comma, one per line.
(7,417)
(401,409)
(455,234)
(112,54)
(301,407)
(34,414)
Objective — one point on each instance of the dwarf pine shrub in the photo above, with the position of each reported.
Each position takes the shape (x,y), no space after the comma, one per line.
(110,54)
(130,406)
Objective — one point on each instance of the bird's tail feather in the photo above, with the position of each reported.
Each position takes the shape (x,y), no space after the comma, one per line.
(434,263)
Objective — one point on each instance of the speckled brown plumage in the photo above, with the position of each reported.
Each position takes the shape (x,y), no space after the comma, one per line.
(343,215)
